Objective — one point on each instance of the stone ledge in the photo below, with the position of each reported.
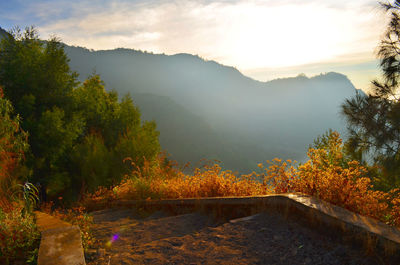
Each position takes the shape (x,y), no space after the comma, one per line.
(348,227)
(45,221)
(343,215)
(60,243)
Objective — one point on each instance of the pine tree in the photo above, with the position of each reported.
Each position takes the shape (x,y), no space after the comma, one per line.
(374,119)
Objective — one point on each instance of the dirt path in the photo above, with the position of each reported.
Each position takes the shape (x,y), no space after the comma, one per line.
(125,238)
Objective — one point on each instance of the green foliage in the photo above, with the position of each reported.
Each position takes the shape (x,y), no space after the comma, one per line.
(79,134)
(98,107)
(113,132)
(30,196)
(75,216)
(36,68)
(13,144)
(60,137)
(19,236)
(37,80)
(91,161)
(337,153)
(102,111)
(138,144)
(374,119)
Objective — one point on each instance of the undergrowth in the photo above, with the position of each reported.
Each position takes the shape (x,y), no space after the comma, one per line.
(327,175)
(75,216)
(157,180)
(19,236)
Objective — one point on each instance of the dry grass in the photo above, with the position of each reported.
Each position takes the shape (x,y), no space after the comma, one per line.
(76,216)
(157,180)
(326,175)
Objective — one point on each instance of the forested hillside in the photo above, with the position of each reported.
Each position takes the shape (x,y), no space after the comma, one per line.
(68,139)
(215,112)
(78,133)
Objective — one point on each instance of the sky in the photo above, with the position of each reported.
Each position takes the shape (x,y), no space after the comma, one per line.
(264,39)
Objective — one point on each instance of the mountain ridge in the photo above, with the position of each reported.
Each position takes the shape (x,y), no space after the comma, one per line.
(203,60)
(278,118)
(225,114)
(3,32)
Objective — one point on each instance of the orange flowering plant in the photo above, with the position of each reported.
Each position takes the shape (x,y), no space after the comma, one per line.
(19,237)
(76,216)
(161,179)
(330,176)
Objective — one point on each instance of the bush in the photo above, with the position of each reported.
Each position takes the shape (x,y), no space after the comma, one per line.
(13,144)
(161,179)
(19,236)
(329,176)
(76,216)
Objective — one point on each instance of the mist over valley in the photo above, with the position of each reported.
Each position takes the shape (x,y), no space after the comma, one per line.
(205,110)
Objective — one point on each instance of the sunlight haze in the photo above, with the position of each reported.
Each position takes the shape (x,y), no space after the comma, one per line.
(263,39)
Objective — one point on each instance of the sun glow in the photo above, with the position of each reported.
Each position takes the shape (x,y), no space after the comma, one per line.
(245,34)
(264,39)
(287,35)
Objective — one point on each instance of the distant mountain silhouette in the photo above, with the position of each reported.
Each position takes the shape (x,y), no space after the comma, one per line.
(189,138)
(207,110)
(3,32)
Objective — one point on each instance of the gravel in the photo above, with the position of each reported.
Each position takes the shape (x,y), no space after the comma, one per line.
(124,237)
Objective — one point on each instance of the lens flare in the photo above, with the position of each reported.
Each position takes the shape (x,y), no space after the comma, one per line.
(114,238)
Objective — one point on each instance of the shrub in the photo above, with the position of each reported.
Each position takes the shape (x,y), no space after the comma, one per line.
(19,236)
(76,216)
(161,179)
(13,144)
(329,176)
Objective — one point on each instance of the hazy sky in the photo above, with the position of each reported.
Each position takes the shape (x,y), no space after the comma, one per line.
(263,39)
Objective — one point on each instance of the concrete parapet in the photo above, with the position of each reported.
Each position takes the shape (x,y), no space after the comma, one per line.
(60,243)
(348,227)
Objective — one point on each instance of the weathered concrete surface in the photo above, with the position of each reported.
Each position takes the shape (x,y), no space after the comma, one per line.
(46,222)
(262,239)
(349,227)
(381,230)
(60,243)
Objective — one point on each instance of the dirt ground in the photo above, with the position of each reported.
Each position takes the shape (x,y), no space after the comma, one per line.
(126,238)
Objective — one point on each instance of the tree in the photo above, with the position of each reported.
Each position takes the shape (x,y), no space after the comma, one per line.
(374,119)
(91,164)
(37,80)
(113,131)
(13,145)
(79,133)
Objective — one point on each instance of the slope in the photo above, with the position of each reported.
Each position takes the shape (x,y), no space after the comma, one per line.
(280,117)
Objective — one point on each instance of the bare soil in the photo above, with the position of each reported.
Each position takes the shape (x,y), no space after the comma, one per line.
(124,237)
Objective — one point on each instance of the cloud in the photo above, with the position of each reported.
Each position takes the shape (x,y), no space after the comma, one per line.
(360,71)
(247,34)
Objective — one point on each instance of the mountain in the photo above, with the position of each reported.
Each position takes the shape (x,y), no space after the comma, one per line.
(207,110)
(3,33)
(189,138)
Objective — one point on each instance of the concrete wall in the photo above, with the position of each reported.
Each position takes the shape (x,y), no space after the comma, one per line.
(60,242)
(345,226)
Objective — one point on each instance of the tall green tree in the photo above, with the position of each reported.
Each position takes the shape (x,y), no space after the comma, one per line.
(37,80)
(113,131)
(13,145)
(79,134)
(374,119)
(91,166)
